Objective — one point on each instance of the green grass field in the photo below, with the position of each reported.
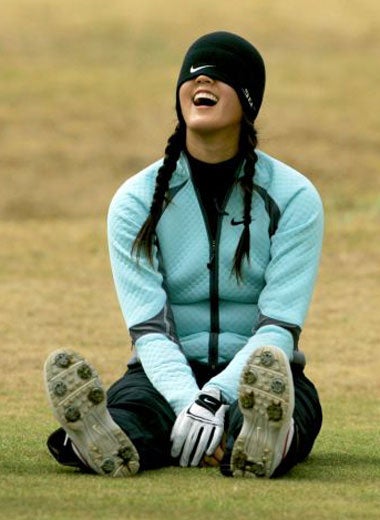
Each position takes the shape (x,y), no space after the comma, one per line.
(87,99)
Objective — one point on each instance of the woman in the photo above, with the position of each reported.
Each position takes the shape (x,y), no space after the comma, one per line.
(214,251)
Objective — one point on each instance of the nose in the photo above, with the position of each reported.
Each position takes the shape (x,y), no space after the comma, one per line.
(202,78)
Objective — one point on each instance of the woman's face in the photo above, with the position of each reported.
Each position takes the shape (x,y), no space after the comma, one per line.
(209,106)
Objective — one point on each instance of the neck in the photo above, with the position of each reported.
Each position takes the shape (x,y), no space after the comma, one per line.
(212,148)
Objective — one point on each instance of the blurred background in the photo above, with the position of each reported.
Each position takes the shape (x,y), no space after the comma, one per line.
(87,94)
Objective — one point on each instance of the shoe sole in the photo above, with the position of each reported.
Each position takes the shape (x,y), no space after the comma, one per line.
(266,400)
(78,401)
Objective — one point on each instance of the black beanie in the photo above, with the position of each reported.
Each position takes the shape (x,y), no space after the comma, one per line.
(229,58)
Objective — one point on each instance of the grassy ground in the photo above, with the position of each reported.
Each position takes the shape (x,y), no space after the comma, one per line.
(86,99)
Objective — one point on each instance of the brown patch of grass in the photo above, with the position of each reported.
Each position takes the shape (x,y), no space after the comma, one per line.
(89,95)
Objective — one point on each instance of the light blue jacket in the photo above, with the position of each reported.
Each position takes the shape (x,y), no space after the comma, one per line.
(167,306)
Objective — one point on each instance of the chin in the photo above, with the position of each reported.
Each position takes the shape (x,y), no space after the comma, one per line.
(203,126)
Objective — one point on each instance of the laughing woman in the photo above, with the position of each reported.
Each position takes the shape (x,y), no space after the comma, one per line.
(214,252)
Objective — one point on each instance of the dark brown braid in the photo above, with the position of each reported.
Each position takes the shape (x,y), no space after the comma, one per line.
(248,143)
(144,240)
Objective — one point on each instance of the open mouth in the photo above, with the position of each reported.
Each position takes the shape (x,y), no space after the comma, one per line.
(205,99)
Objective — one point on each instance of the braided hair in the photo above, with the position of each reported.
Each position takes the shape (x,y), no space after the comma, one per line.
(143,243)
(248,143)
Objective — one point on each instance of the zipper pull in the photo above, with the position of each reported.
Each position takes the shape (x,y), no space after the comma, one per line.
(211,263)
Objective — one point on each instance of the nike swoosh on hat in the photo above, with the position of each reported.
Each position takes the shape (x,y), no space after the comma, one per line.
(196,69)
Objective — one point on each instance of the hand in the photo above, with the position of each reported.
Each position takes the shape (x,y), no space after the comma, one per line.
(199,428)
(215,459)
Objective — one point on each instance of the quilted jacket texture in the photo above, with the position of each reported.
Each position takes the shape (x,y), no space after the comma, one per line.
(189,305)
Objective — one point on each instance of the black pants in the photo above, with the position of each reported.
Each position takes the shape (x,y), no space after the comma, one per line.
(146,417)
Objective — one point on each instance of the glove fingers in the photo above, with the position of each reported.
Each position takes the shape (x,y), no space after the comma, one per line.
(198,449)
(214,441)
(178,436)
(191,445)
(198,429)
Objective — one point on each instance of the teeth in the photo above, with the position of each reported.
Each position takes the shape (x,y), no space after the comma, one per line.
(205,98)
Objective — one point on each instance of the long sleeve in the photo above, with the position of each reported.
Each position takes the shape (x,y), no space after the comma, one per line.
(143,299)
(289,283)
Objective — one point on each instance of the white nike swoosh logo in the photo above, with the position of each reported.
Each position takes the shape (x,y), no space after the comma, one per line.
(195,69)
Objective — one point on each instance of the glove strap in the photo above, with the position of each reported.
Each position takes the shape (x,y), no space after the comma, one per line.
(212,404)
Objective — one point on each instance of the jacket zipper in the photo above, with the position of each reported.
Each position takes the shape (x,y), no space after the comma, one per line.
(213,345)
(213,266)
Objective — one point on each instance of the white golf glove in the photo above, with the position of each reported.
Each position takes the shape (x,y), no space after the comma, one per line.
(198,429)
